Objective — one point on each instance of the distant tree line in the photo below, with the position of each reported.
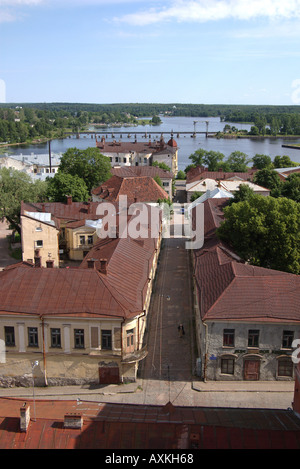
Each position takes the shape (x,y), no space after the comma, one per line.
(26,122)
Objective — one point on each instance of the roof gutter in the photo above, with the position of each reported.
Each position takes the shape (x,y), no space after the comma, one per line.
(205,355)
(44,352)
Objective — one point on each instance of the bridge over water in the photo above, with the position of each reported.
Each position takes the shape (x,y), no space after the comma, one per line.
(113,133)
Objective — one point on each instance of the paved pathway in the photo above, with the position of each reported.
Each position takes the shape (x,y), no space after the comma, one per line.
(170,357)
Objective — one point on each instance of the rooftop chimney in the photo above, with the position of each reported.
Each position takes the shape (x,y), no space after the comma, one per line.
(103,266)
(69,200)
(24,417)
(73,421)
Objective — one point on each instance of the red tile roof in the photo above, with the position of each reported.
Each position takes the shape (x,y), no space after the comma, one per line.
(147,147)
(126,426)
(73,211)
(198,173)
(136,189)
(133,171)
(230,289)
(61,292)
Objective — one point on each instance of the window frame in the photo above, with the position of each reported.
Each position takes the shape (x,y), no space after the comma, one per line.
(79,339)
(106,339)
(9,335)
(55,337)
(253,338)
(287,336)
(33,337)
(228,337)
(230,363)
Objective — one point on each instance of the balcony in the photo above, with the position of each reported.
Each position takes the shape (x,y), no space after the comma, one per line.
(136,356)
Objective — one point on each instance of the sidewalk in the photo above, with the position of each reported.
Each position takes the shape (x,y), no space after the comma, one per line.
(258,394)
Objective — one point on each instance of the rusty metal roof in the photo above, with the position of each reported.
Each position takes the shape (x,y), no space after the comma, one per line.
(126,426)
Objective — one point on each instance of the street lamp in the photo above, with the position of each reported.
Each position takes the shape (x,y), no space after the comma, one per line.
(33,365)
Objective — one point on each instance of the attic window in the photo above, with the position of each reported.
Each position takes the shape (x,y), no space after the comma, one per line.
(38,228)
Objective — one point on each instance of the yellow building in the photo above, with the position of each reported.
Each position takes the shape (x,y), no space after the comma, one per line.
(82,325)
(40,233)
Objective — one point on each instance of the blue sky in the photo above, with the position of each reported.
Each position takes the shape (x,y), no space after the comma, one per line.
(110,51)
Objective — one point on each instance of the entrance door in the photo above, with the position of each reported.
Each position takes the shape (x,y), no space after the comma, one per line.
(251,370)
(109,375)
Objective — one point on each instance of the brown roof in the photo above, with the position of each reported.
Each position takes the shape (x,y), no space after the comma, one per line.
(138,147)
(137,189)
(133,171)
(198,173)
(72,211)
(229,289)
(64,292)
(129,263)
(142,427)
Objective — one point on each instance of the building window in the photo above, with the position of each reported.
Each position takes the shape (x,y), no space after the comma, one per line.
(81,240)
(130,342)
(227,366)
(79,338)
(90,239)
(285,367)
(9,333)
(106,340)
(39,243)
(253,338)
(287,339)
(228,338)
(33,337)
(55,338)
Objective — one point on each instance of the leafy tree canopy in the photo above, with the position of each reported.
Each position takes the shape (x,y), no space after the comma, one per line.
(90,165)
(262,161)
(63,184)
(283,162)
(16,187)
(264,231)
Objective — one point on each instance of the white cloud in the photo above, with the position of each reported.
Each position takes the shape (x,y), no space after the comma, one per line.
(213,10)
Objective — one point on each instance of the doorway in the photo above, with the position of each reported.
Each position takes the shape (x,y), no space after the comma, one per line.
(251,370)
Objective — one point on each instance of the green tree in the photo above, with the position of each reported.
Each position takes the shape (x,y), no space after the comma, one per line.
(90,165)
(262,161)
(213,159)
(63,184)
(197,157)
(264,231)
(161,165)
(284,162)
(181,175)
(16,187)
(244,193)
(268,178)
(238,161)
(156,120)
(291,187)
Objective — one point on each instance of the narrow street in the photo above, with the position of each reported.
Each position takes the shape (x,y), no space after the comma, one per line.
(171,357)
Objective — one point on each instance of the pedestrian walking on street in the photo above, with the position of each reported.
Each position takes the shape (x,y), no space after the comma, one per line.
(181,330)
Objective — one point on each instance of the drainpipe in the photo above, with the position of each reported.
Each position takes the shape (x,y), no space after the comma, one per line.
(205,356)
(44,352)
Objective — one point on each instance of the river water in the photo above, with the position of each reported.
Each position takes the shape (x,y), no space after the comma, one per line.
(186,144)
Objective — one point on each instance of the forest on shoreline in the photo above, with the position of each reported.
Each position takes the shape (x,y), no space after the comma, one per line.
(28,122)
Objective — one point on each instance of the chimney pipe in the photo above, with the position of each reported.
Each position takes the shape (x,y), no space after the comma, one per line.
(73,421)
(69,200)
(24,417)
